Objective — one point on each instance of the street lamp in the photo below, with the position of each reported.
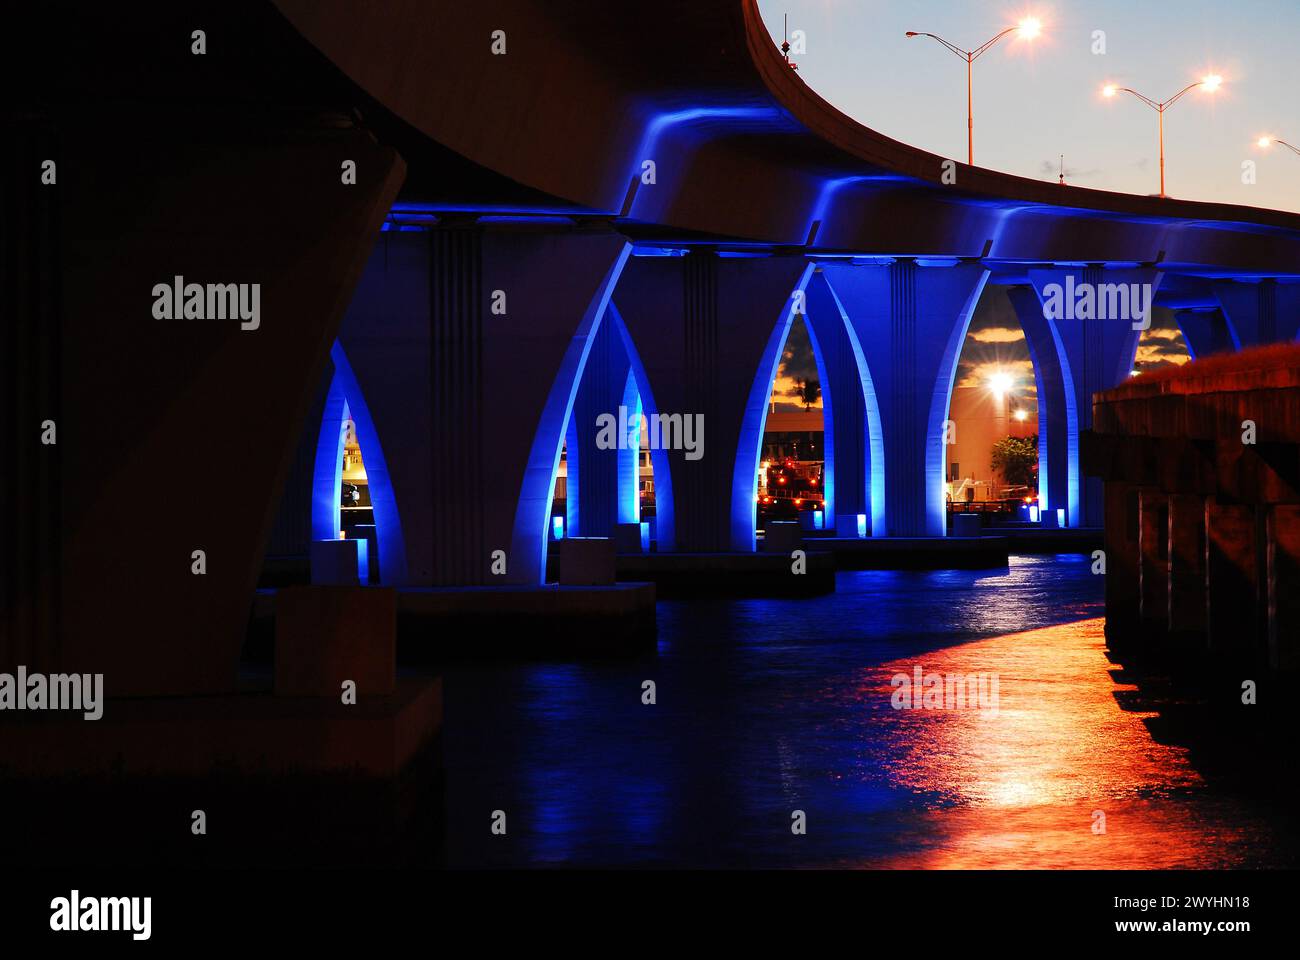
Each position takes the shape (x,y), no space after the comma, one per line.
(1210,83)
(1000,384)
(1265,142)
(1029,28)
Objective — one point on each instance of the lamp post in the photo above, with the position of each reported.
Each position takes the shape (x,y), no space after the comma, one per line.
(1265,142)
(1210,83)
(1027,28)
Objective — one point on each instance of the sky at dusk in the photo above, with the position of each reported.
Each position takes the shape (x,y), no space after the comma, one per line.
(1035,101)
(995,343)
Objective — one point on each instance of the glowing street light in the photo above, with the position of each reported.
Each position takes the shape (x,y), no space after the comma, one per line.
(1028,29)
(1022,415)
(1000,384)
(1265,142)
(1211,83)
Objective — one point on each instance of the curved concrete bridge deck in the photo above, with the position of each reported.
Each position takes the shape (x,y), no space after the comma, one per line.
(475,254)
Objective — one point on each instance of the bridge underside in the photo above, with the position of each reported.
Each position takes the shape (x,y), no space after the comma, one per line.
(477,271)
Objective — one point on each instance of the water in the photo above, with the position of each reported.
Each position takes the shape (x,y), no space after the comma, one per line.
(765,707)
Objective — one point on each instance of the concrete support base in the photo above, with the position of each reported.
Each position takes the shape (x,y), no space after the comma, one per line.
(514,622)
(328,636)
(245,734)
(731,574)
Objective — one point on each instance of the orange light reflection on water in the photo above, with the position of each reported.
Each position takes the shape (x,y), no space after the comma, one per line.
(1018,787)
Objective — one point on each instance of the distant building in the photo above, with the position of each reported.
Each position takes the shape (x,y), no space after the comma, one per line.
(982,417)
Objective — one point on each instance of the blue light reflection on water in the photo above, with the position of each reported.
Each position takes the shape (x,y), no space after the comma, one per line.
(767,706)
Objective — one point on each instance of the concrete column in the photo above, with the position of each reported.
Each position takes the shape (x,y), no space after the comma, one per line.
(1205,332)
(1259,312)
(1187,568)
(1153,563)
(911,321)
(708,331)
(195,391)
(1233,580)
(593,465)
(1094,319)
(1122,549)
(468,343)
(1058,422)
(1283,597)
(854,452)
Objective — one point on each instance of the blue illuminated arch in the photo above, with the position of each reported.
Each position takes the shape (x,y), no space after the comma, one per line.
(665,520)
(874,435)
(344,400)
(749,445)
(530,534)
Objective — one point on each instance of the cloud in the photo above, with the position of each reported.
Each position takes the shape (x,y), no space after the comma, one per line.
(997,335)
(977,374)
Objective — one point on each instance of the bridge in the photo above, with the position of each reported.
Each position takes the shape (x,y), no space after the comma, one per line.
(476,228)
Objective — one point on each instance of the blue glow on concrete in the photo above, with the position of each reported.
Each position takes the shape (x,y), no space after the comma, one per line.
(936,454)
(573,477)
(862,525)
(1060,516)
(327,471)
(349,400)
(665,520)
(664,122)
(363,556)
(819,520)
(645,536)
(531,533)
(749,445)
(629,460)
(557,528)
(874,438)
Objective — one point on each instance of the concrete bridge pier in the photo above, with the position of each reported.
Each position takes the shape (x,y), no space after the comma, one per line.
(1203,525)
(1259,311)
(1122,550)
(1283,599)
(1095,347)
(468,343)
(1058,421)
(1205,332)
(854,472)
(1234,537)
(708,330)
(911,319)
(1187,596)
(602,479)
(1153,560)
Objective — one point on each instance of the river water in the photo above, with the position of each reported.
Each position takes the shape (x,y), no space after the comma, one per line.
(768,707)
